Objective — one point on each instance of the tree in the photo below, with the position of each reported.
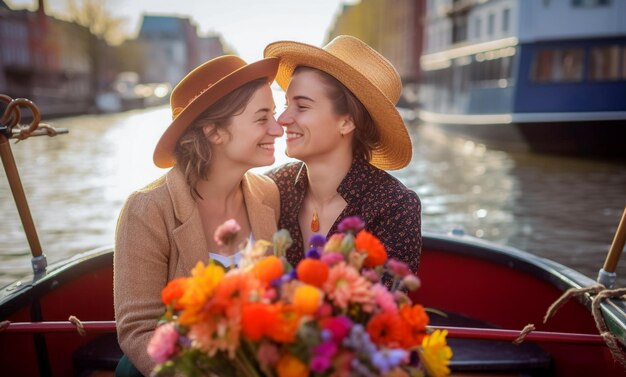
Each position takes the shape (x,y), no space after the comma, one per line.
(94,15)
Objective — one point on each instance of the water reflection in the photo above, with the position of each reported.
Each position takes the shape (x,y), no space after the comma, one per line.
(564,209)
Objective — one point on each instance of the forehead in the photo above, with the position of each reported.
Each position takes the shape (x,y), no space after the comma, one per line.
(306,82)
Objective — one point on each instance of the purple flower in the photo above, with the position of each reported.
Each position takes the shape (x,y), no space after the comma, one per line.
(317,240)
(313,253)
(351,224)
(386,360)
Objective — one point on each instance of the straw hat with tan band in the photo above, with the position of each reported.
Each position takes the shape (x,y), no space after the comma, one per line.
(368,75)
(201,88)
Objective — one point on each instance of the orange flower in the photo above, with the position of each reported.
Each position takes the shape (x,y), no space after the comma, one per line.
(173,291)
(199,289)
(268,269)
(366,242)
(312,271)
(416,320)
(284,329)
(233,291)
(307,299)
(256,318)
(290,366)
(386,329)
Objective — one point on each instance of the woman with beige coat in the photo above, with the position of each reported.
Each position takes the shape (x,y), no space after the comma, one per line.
(223,125)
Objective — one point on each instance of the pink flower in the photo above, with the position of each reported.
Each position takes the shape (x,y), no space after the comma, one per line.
(322,354)
(267,354)
(384,299)
(225,233)
(162,346)
(339,327)
(371,275)
(351,224)
(332,258)
(398,268)
(344,286)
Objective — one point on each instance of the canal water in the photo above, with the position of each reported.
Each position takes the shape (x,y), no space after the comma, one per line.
(565,209)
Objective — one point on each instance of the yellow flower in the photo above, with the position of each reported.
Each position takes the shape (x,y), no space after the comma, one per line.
(291,366)
(307,299)
(435,354)
(200,288)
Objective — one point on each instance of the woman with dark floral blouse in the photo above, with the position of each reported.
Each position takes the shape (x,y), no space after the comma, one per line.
(342,123)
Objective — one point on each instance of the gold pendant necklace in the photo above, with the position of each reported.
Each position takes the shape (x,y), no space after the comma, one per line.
(315,222)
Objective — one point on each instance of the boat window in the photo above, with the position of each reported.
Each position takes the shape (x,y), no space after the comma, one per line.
(624,62)
(558,65)
(604,63)
(542,65)
(589,3)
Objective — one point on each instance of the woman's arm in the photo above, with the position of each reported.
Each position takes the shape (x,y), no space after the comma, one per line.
(140,272)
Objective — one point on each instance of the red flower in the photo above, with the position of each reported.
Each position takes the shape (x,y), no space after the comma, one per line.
(386,329)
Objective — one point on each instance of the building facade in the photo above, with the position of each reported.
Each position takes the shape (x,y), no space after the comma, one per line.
(393,28)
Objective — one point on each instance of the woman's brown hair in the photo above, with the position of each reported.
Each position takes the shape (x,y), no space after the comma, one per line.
(366,134)
(193,149)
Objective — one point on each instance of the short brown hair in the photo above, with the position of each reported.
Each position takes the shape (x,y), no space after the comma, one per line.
(193,150)
(366,134)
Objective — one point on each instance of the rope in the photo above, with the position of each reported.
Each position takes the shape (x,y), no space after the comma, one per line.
(601,294)
(26,132)
(611,341)
(4,325)
(572,292)
(79,325)
(525,331)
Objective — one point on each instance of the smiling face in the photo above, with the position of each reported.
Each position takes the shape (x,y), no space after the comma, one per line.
(313,128)
(249,138)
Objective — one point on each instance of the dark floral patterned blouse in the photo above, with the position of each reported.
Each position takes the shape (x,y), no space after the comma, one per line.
(390,210)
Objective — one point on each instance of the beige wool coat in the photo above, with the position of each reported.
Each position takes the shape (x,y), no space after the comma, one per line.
(160,237)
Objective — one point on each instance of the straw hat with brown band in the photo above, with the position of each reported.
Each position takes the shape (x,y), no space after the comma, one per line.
(201,88)
(368,75)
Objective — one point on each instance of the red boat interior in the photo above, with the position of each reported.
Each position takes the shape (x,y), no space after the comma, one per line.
(475,286)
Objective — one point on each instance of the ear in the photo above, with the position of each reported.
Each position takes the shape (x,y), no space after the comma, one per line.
(212,134)
(347,126)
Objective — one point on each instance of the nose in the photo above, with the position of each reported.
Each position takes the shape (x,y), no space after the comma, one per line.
(285,119)
(275,129)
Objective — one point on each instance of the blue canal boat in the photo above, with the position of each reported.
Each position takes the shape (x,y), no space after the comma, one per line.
(544,76)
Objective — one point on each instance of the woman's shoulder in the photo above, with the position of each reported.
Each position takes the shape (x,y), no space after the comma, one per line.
(286,172)
(392,188)
(151,194)
(259,183)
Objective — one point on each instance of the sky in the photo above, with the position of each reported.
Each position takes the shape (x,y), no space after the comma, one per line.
(246,25)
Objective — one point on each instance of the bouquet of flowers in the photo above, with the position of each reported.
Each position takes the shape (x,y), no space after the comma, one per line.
(342,311)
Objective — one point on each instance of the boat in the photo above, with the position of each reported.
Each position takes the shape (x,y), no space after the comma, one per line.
(59,320)
(507,76)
